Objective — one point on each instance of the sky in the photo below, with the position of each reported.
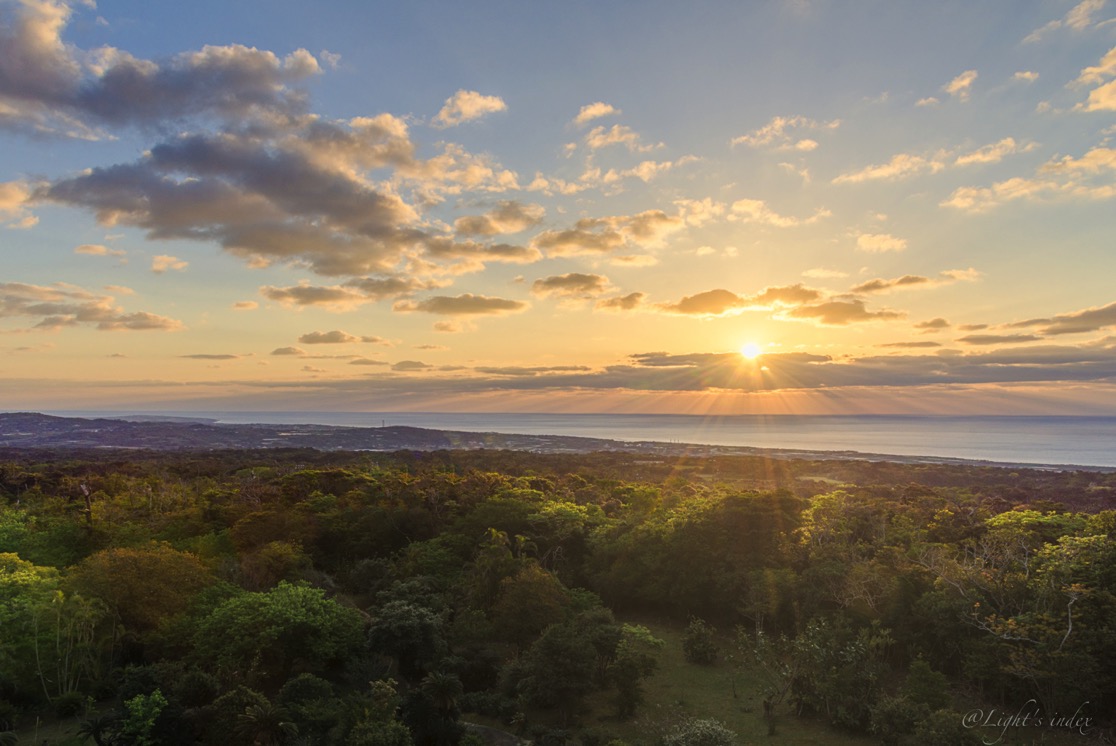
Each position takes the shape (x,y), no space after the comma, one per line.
(786,207)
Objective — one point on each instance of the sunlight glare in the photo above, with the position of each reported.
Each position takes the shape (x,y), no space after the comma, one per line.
(751,350)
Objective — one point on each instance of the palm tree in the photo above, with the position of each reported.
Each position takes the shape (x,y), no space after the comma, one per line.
(266,725)
(442,689)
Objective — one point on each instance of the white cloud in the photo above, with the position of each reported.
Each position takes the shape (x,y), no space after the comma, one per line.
(994,153)
(1103,97)
(961,86)
(757,211)
(163,262)
(879,242)
(92,249)
(1079,18)
(596,110)
(62,305)
(465,106)
(778,133)
(1090,177)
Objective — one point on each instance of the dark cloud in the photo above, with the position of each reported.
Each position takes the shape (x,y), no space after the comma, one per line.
(709,303)
(842,313)
(998,339)
(296,351)
(571,284)
(64,305)
(604,235)
(210,356)
(513,370)
(324,338)
(404,365)
(621,303)
(463,305)
(880,285)
(507,217)
(933,324)
(1088,320)
(912,345)
(47,86)
(720,301)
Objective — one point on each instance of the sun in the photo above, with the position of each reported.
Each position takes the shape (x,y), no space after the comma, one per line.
(751,350)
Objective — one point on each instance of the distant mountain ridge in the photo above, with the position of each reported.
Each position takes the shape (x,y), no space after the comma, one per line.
(159,433)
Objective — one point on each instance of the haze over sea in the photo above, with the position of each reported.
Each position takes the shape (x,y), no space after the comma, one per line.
(1083,441)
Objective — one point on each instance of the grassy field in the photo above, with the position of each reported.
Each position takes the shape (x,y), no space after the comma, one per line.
(679,690)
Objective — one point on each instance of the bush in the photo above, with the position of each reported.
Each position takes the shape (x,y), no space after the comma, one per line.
(700,733)
(699,645)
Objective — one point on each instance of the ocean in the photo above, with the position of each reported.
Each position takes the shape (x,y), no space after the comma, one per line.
(1082,441)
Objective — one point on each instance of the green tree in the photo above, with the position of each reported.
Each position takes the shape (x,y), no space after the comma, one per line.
(262,637)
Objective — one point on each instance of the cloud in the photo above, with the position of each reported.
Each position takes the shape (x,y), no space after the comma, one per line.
(49,87)
(14,199)
(1026,76)
(335,337)
(405,365)
(596,110)
(462,305)
(911,345)
(245,305)
(1079,18)
(1089,177)
(64,305)
(998,339)
(367,361)
(163,263)
(618,134)
(901,166)
(210,356)
(1087,320)
(928,101)
(821,273)
(757,211)
(333,297)
(949,276)
(609,234)
(293,351)
(508,217)
(570,285)
(345,297)
(518,371)
(994,153)
(933,324)
(841,313)
(961,87)
(93,249)
(777,133)
(721,302)
(879,242)
(465,106)
(628,302)
(1103,97)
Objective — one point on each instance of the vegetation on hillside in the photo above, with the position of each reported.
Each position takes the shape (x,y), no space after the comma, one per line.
(268,597)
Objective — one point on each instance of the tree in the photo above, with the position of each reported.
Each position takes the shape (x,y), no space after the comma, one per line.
(262,637)
(529,602)
(144,586)
(558,670)
(265,724)
(636,659)
(409,633)
(699,644)
(700,732)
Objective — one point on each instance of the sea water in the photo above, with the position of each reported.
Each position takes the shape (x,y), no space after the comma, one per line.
(1085,441)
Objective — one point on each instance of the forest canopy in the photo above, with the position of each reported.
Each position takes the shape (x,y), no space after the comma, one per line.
(352,598)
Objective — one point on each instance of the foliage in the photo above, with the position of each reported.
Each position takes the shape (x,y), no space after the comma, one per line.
(699,732)
(700,643)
